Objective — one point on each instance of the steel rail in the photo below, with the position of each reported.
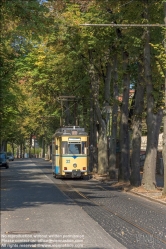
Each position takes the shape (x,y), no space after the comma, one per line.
(145,197)
(62,188)
(117,215)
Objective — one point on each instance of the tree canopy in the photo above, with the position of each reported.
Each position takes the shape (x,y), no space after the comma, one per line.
(46,53)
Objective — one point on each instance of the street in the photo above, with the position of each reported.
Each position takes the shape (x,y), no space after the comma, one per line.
(40,211)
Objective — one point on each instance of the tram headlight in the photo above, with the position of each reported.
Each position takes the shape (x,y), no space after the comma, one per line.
(75,165)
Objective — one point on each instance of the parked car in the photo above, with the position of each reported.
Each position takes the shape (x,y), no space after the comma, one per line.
(10,156)
(4,161)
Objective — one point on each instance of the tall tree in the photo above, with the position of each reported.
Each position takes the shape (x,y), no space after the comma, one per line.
(102,142)
(164,133)
(16,42)
(135,179)
(124,172)
(114,126)
(154,117)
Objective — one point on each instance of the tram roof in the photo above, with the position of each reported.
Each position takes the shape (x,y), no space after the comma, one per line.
(69,130)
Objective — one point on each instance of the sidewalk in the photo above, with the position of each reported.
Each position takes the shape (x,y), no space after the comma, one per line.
(140,191)
(153,195)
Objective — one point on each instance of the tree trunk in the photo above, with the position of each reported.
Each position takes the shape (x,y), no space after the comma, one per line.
(93,154)
(43,147)
(164,141)
(3,146)
(95,149)
(149,172)
(84,104)
(164,133)
(91,136)
(102,143)
(153,119)
(107,84)
(135,179)
(124,172)
(21,150)
(113,138)
(13,147)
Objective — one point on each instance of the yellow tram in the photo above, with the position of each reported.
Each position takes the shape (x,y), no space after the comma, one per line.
(70,155)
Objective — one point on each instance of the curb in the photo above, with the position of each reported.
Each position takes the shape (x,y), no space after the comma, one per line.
(131,192)
(147,197)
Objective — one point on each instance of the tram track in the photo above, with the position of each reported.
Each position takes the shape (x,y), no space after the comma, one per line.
(146,205)
(125,230)
(115,214)
(109,188)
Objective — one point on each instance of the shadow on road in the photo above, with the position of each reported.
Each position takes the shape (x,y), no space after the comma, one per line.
(26,185)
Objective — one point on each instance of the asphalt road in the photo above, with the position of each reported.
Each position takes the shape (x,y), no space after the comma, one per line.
(36,213)
(91,214)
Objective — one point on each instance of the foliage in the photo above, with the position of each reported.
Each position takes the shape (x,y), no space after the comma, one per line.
(19,25)
(46,53)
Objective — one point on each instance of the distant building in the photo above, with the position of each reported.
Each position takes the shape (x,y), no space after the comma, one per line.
(131,94)
(34,142)
(144,142)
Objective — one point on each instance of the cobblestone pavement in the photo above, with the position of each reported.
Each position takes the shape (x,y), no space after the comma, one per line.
(126,217)
(134,221)
(155,195)
(35,213)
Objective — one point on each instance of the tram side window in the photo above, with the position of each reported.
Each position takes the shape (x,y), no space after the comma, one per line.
(84,148)
(64,147)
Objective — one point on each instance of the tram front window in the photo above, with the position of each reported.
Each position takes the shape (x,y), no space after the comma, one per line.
(74,148)
(70,148)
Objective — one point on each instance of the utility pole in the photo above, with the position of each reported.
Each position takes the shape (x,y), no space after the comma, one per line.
(164,133)
(67,118)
